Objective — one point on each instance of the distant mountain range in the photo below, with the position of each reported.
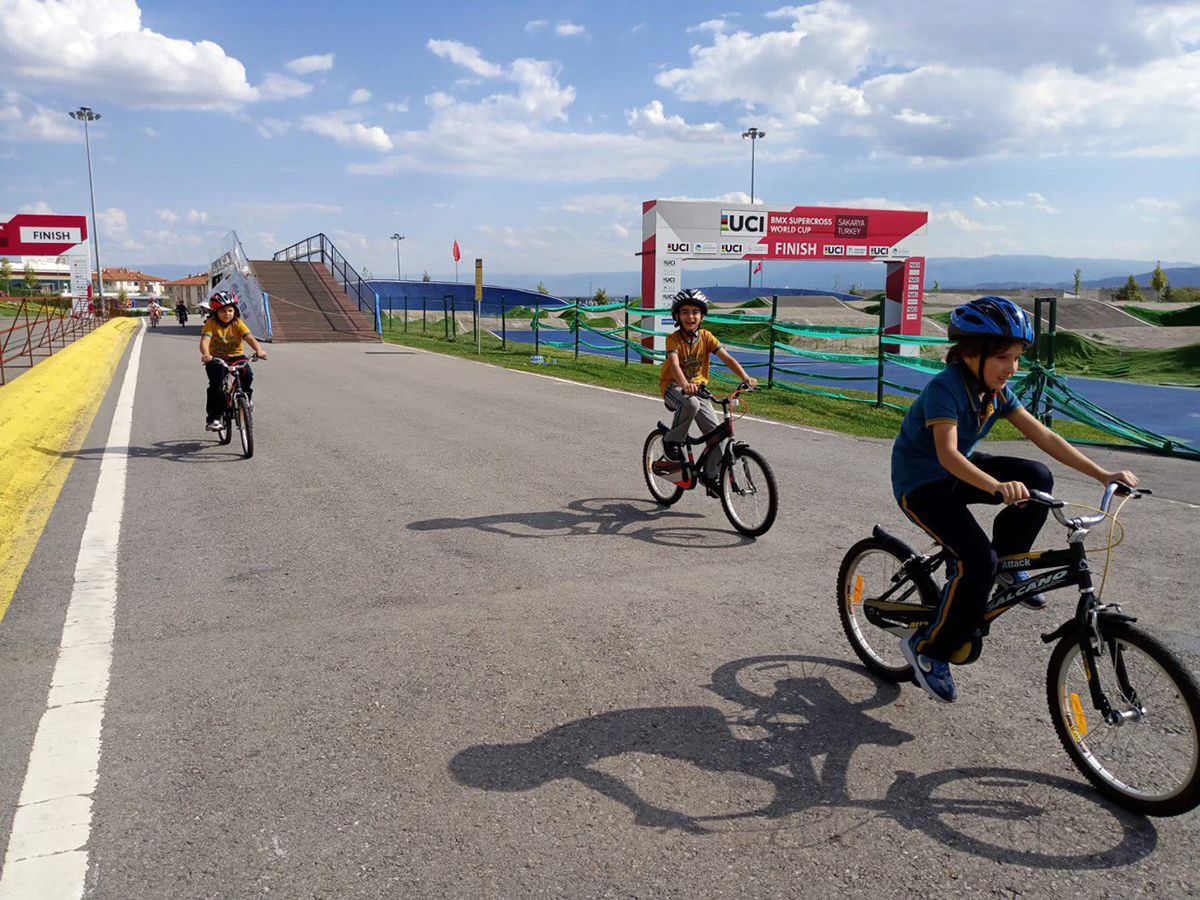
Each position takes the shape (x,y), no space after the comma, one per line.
(983,273)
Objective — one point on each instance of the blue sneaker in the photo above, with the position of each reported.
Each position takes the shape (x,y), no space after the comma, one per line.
(1033,601)
(932,675)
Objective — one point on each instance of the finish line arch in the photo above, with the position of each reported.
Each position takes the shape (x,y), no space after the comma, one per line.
(675,231)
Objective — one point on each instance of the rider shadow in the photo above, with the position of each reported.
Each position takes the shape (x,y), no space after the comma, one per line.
(641,520)
(174,451)
(809,733)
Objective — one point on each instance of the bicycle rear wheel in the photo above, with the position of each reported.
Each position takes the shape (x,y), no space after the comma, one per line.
(1150,761)
(245,420)
(869,570)
(748,492)
(662,489)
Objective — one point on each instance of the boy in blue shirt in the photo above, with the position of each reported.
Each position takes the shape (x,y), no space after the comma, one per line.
(936,473)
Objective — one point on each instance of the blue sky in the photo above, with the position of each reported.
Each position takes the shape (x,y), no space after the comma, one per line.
(530,132)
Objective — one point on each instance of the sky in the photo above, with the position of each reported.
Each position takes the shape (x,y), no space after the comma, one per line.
(530,132)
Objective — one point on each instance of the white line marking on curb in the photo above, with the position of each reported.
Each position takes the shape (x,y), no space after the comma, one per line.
(47,855)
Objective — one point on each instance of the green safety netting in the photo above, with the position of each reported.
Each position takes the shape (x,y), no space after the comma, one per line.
(1039,388)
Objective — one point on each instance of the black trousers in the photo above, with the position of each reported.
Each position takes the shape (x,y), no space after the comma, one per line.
(940,509)
(214,406)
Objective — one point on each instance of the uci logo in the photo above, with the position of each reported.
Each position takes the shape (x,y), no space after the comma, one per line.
(679,248)
(742,222)
(732,248)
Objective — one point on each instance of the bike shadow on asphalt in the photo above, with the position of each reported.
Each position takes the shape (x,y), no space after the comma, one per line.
(642,520)
(807,716)
(173,451)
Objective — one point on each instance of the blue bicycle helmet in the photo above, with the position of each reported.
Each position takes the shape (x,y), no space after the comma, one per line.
(991,317)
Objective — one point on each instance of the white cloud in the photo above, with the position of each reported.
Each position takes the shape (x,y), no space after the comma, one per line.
(353,134)
(515,133)
(570,29)
(535,25)
(113,222)
(270,128)
(714,25)
(101,45)
(51,125)
(467,57)
(306,65)
(167,215)
(148,131)
(935,84)
(280,87)
(196,217)
(651,119)
(401,107)
(40,208)
(360,95)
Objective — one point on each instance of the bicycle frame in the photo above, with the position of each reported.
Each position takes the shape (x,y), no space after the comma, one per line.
(722,434)
(1067,568)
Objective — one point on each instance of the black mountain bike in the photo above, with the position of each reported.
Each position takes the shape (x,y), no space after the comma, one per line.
(238,410)
(1123,705)
(745,482)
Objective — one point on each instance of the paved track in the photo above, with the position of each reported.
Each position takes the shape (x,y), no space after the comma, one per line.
(433,641)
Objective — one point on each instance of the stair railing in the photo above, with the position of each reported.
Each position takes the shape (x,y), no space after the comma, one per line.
(352,284)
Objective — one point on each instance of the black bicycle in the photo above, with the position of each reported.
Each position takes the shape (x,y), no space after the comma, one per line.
(744,482)
(238,409)
(1125,708)
(181,314)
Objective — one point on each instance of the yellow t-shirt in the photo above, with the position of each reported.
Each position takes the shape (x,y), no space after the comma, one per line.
(226,340)
(693,357)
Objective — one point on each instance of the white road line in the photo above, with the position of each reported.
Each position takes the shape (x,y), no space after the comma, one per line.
(47,856)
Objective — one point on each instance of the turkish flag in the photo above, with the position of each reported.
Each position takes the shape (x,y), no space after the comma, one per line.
(758,268)
(457,255)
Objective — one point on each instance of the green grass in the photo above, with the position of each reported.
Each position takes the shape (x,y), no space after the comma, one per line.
(812,410)
(1169,318)
(1077,355)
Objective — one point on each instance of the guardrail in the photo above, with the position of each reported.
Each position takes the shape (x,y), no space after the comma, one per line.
(33,328)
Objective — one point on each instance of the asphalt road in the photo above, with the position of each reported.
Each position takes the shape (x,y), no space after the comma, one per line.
(433,640)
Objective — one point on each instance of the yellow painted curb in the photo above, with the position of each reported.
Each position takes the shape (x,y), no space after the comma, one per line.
(44,416)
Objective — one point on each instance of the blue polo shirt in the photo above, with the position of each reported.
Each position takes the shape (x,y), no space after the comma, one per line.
(947,398)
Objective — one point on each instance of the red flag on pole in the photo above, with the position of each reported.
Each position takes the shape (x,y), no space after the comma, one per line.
(457,255)
(758,268)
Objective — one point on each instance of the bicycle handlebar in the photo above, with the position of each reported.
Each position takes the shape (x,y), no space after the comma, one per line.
(1112,489)
(705,394)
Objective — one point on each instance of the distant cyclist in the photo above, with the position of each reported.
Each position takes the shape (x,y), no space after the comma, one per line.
(155,312)
(684,372)
(937,472)
(181,311)
(221,339)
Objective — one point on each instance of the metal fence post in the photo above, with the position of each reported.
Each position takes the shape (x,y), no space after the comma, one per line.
(879,371)
(424,321)
(626,329)
(577,329)
(537,334)
(446,315)
(406,312)
(503,324)
(771,332)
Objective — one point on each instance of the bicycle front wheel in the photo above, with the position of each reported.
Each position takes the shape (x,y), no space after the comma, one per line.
(246,427)
(662,489)
(1149,762)
(869,570)
(748,492)
(225,433)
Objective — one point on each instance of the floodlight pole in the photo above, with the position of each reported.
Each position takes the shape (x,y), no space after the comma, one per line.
(753,134)
(85,115)
(397,238)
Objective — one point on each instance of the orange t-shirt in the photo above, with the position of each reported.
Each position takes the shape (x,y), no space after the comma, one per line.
(693,357)
(226,340)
